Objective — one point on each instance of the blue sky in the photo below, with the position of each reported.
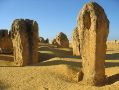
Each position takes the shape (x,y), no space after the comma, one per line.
(54,16)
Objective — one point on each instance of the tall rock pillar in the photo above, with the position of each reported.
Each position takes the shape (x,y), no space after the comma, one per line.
(93,27)
(24,35)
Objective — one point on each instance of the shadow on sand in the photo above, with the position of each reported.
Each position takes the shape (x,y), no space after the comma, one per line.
(111,64)
(111,60)
(55,53)
(59,62)
(114,56)
(112,79)
(6,57)
(3,86)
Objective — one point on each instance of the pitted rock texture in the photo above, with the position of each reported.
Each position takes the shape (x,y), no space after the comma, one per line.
(5,42)
(93,26)
(25,41)
(61,40)
(76,42)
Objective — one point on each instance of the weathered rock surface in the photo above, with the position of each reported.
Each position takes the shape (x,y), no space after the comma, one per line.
(5,42)
(54,42)
(41,40)
(93,27)
(25,41)
(76,42)
(61,41)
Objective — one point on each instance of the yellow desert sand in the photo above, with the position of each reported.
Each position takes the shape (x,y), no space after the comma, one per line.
(58,71)
(89,62)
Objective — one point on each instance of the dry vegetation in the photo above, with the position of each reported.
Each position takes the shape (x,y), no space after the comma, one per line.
(57,71)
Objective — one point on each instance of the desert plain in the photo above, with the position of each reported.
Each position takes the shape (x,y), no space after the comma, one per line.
(57,70)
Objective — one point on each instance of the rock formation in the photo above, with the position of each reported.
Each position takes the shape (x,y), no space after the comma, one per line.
(61,41)
(54,42)
(93,27)
(25,41)
(76,42)
(47,41)
(5,42)
(41,40)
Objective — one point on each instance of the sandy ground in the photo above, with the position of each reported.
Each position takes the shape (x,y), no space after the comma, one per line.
(57,71)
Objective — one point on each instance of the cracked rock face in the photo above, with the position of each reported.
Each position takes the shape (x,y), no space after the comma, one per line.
(61,40)
(76,42)
(24,35)
(93,28)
